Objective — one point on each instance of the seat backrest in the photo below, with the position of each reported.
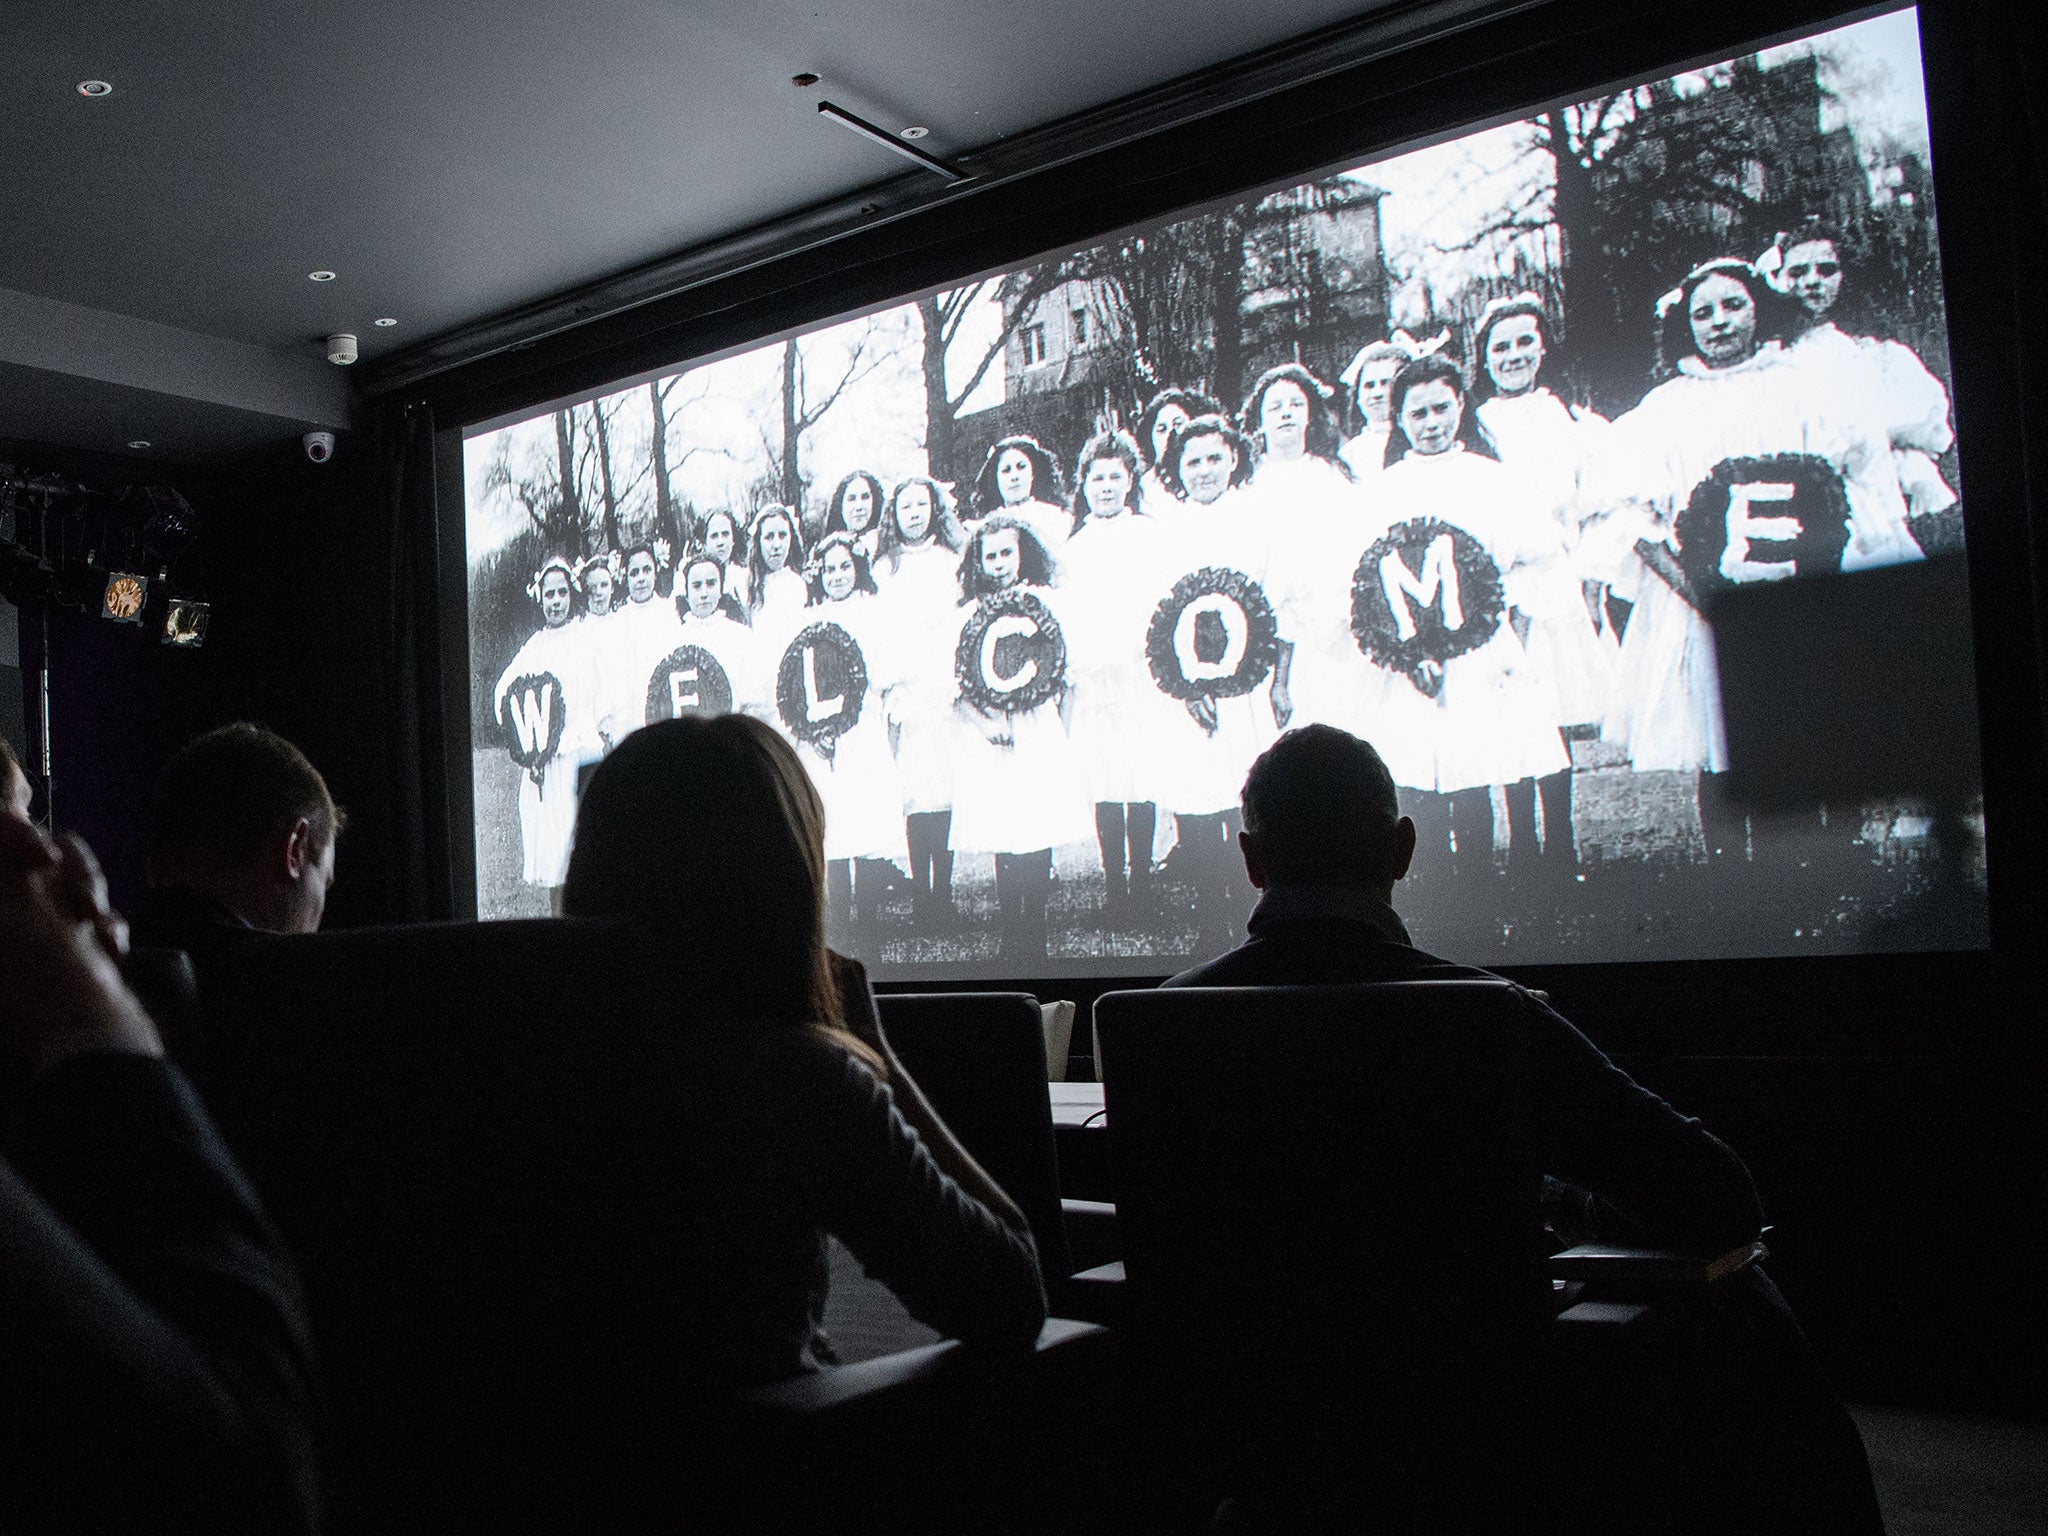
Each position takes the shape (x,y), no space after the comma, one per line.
(980,1059)
(1321,1176)
(465,1132)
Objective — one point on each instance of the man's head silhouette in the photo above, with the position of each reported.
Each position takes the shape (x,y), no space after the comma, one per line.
(1320,809)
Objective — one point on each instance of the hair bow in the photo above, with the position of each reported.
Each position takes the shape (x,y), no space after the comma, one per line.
(1495,306)
(552,563)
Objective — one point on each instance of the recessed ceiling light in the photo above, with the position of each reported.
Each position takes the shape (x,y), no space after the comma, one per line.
(322,276)
(94,88)
(139,443)
(387,320)
(915,133)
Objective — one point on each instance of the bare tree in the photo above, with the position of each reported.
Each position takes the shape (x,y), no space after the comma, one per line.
(805,401)
(943,315)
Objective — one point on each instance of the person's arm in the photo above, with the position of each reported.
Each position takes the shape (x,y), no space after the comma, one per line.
(1671,1181)
(160,1363)
(857,1000)
(1282,694)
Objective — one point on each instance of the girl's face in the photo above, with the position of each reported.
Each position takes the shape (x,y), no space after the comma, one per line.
(554,599)
(640,577)
(718,536)
(1169,421)
(703,587)
(1514,354)
(597,590)
(775,536)
(1814,271)
(1206,465)
(914,512)
(837,573)
(1107,487)
(1013,476)
(1376,388)
(1723,319)
(857,506)
(1430,414)
(1000,557)
(1283,419)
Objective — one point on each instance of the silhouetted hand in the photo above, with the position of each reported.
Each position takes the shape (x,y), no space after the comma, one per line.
(61,991)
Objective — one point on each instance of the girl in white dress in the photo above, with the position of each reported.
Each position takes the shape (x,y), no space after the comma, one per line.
(1164,414)
(637,636)
(1887,376)
(718,534)
(1369,378)
(1021,790)
(1310,512)
(918,573)
(776,589)
(1206,745)
(736,648)
(856,510)
(1736,397)
(1450,727)
(1020,480)
(598,580)
(547,797)
(1107,580)
(1549,446)
(856,775)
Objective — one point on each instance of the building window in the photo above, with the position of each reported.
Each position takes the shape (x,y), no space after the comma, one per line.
(1080,330)
(1033,337)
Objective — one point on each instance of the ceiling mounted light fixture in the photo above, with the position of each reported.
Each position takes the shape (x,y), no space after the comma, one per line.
(804,81)
(386,320)
(321,276)
(94,89)
(138,444)
(915,133)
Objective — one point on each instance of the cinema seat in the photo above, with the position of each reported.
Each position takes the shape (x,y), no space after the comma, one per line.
(980,1058)
(467,1133)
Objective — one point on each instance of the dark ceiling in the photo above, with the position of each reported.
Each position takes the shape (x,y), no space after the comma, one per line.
(450,164)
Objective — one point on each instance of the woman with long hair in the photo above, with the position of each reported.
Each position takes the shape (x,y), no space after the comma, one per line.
(1287,415)
(1019,479)
(1735,414)
(921,543)
(531,713)
(1450,726)
(856,509)
(855,770)
(1550,446)
(707,623)
(1019,791)
(709,836)
(1107,577)
(1368,380)
(1163,415)
(776,588)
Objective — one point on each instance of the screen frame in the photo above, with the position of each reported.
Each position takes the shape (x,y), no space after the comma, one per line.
(1493,72)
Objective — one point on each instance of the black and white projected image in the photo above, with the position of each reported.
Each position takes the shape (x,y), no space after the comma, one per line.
(1449,449)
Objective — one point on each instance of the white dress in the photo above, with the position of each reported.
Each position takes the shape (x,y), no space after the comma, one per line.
(1313,522)
(1109,584)
(863,797)
(1201,772)
(639,637)
(1549,447)
(737,651)
(784,593)
(922,597)
(547,810)
(1493,721)
(1667,705)
(1367,452)
(1021,784)
(1893,386)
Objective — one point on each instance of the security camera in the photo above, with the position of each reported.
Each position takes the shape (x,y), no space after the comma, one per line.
(319,446)
(341,349)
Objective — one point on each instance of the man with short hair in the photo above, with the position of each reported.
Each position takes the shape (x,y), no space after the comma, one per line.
(242,835)
(1325,842)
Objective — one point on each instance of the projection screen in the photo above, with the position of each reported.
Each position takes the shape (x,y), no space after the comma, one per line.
(1031,569)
